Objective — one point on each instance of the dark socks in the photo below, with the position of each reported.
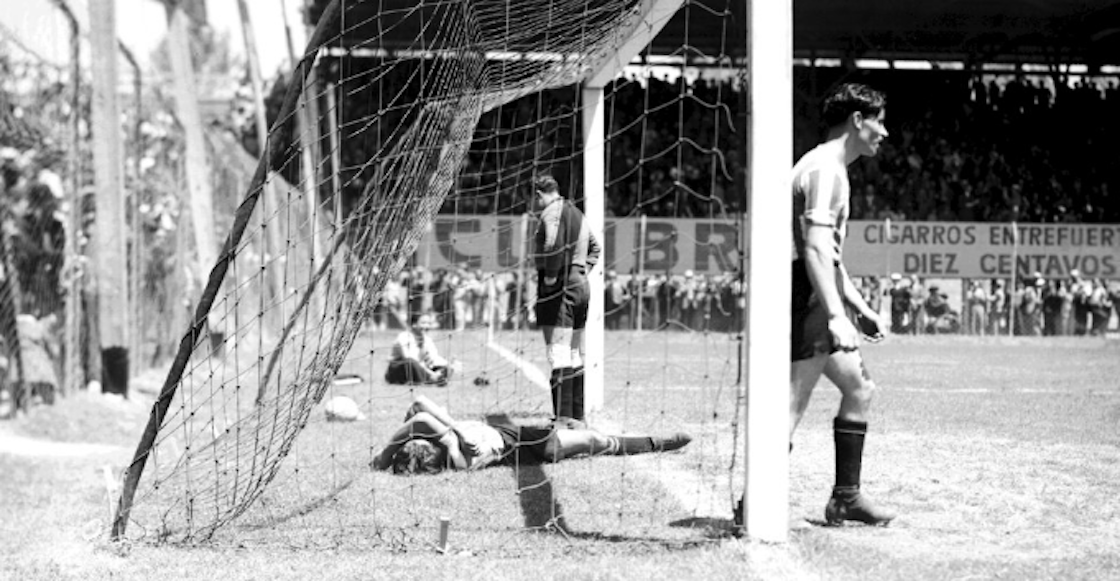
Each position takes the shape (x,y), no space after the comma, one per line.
(848,437)
(577,393)
(627,445)
(561,382)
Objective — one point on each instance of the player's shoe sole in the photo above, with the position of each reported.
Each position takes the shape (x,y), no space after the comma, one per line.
(675,442)
(855,507)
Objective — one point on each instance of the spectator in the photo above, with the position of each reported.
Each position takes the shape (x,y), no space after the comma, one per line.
(977,308)
(687,298)
(917,305)
(415,360)
(1052,308)
(997,309)
(900,304)
(938,316)
(1081,290)
(617,301)
(1100,306)
(1030,308)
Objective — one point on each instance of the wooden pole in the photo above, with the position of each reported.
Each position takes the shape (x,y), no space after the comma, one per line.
(200,190)
(73,378)
(272,199)
(137,227)
(110,262)
(274,155)
(770,53)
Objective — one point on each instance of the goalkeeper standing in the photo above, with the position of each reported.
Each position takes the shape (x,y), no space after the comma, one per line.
(564,250)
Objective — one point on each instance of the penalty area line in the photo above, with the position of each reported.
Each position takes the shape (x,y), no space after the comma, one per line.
(530,371)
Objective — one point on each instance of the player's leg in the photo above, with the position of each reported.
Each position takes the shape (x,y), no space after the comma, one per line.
(810,343)
(560,380)
(803,377)
(552,315)
(846,369)
(580,297)
(576,377)
(566,443)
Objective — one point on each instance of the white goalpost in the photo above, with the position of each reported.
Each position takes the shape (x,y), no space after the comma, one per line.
(770,212)
(654,14)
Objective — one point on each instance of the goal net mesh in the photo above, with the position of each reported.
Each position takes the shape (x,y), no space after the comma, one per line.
(396,183)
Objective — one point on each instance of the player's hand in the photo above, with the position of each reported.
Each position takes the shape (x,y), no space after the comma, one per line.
(844,334)
(871,327)
(468,447)
(550,281)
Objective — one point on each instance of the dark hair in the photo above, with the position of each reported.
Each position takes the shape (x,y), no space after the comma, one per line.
(545,183)
(419,456)
(848,98)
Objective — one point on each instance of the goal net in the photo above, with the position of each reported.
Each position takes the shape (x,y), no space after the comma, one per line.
(394,183)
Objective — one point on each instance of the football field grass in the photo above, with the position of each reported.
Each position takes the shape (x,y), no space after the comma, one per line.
(1002,457)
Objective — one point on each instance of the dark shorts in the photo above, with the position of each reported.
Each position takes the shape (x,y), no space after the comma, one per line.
(809,334)
(524,444)
(412,372)
(565,304)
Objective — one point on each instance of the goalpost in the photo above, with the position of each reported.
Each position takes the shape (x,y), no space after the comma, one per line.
(766,501)
(461,109)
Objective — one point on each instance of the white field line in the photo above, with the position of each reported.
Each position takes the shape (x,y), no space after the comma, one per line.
(531,372)
(15,445)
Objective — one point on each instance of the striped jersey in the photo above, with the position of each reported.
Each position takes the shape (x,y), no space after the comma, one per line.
(821,195)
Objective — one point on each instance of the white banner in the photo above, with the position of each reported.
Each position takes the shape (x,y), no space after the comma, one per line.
(927,249)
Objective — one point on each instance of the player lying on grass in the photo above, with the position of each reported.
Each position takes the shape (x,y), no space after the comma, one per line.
(431,440)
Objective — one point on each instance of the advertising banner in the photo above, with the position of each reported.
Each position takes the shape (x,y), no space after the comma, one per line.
(927,249)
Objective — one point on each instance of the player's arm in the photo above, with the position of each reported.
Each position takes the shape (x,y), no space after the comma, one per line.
(423,404)
(821,254)
(870,325)
(821,266)
(551,243)
(593,250)
(422,425)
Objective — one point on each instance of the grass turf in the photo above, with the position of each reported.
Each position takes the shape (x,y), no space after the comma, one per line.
(1000,455)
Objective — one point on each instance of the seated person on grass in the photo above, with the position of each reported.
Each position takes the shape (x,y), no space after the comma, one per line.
(415,360)
(431,441)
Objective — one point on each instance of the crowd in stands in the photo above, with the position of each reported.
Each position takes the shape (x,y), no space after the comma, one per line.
(1029,148)
(1034,307)
(1013,149)
(461,298)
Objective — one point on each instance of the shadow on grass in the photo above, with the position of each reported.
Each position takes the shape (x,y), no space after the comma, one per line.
(713,528)
(544,514)
(302,510)
(534,490)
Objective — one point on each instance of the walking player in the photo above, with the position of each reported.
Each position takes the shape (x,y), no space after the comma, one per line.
(823,336)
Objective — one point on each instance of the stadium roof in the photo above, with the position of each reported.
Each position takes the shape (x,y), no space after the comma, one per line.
(1038,31)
